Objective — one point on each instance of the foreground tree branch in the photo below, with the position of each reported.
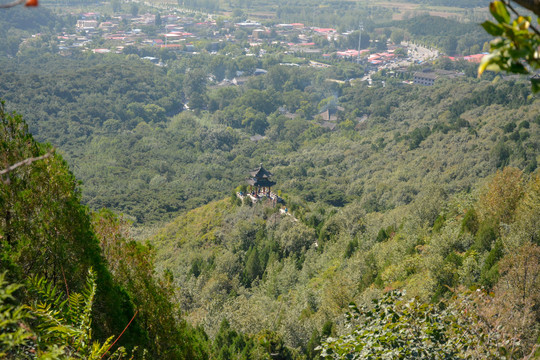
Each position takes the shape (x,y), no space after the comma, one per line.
(517,40)
(533,5)
(19,2)
(24,162)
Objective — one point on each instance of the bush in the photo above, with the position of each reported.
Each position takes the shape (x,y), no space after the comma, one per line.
(396,328)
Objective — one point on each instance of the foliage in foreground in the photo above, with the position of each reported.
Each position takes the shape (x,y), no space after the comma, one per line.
(46,232)
(515,49)
(54,327)
(399,328)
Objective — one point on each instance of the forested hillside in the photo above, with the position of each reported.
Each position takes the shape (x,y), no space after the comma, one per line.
(117,126)
(50,242)
(410,215)
(259,269)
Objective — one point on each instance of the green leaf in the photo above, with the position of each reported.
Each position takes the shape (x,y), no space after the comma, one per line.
(487,61)
(492,28)
(500,12)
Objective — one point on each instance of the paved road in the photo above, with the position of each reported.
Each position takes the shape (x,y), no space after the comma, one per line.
(416,54)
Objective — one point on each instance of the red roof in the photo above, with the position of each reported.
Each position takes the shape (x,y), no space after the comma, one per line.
(301,44)
(171,46)
(474,58)
(325,30)
(348,53)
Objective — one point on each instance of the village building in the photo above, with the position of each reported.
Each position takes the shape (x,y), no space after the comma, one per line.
(258,72)
(86,24)
(248,24)
(331,113)
(428,78)
(425,78)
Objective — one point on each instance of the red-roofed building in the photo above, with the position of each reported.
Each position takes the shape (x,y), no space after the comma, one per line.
(172,46)
(302,44)
(347,53)
(474,58)
(325,30)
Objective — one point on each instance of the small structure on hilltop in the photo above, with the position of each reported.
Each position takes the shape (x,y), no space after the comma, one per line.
(260,179)
(260,186)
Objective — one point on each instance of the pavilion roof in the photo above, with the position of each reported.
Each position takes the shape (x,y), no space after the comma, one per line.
(261,182)
(260,173)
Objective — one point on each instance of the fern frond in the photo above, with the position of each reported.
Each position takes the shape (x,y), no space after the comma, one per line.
(46,291)
(64,328)
(89,293)
(99,349)
(12,333)
(76,303)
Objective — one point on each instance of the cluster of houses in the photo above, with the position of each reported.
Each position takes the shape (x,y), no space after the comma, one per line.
(124,30)
(180,32)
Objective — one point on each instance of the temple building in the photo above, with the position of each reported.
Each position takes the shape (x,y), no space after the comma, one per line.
(260,186)
(260,180)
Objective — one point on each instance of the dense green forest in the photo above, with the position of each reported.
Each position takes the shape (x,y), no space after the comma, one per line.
(71,279)
(21,23)
(45,232)
(387,204)
(135,156)
(262,270)
(409,228)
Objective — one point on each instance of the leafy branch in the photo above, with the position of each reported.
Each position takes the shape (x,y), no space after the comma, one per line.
(25,162)
(12,335)
(515,49)
(533,5)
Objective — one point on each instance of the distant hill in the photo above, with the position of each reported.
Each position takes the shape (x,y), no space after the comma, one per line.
(20,23)
(454,3)
(31,19)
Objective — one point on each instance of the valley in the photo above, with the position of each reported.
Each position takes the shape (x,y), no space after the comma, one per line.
(398,212)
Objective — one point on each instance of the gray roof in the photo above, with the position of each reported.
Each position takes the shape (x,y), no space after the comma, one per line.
(260,177)
(260,173)
(426,75)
